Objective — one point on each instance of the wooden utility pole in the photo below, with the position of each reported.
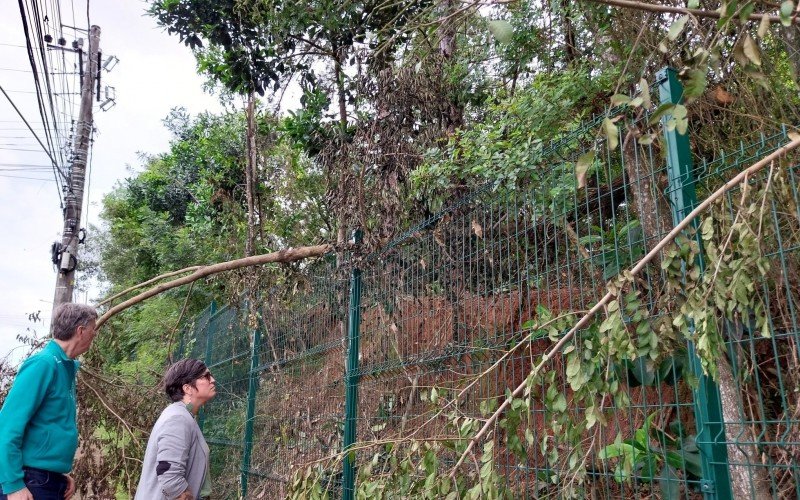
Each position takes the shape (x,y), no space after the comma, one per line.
(73,200)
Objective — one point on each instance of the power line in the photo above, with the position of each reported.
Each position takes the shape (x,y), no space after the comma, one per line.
(36,83)
(56,169)
(37,19)
(23,165)
(18,149)
(43,179)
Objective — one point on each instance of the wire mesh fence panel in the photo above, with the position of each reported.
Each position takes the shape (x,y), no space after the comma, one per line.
(449,299)
(760,387)
(194,337)
(222,419)
(460,310)
(299,398)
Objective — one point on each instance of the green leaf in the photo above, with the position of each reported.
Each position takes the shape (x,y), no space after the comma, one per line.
(746,10)
(693,4)
(584,162)
(612,133)
(644,372)
(787,8)
(669,482)
(660,111)
(644,87)
(614,450)
(646,139)
(677,27)
(573,366)
(560,404)
(763,27)
(528,436)
(751,50)
(696,83)
(680,114)
(618,99)
(591,238)
(501,30)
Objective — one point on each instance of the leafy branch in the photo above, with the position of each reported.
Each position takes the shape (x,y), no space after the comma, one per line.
(612,294)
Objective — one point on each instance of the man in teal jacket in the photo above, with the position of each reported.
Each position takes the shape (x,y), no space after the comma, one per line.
(38,429)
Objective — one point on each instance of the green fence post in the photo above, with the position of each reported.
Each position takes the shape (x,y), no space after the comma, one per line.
(212,310)
(351,394)
(251,409)
(707,404)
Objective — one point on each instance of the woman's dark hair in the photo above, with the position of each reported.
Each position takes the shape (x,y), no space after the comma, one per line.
(185,371)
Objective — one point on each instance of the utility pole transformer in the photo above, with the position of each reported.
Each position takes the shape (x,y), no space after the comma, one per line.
(73,200)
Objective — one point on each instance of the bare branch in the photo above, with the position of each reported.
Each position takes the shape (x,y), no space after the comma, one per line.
(286,255)
(148,282)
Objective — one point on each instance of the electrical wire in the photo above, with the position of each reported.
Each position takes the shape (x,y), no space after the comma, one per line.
(56,168)
(37,83)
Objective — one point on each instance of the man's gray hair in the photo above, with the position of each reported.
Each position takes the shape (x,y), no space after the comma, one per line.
(68,317)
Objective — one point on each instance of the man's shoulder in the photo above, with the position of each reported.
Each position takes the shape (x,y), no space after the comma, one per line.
(42,359)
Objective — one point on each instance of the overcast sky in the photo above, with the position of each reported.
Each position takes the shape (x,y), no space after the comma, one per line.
(155,74)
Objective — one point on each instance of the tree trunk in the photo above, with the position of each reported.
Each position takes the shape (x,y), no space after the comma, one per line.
(447,47)
(340,90)
(570,43)
(648,202)
(748,475)
(250,174)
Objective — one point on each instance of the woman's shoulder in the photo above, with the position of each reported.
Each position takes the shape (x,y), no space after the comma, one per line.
(176,412)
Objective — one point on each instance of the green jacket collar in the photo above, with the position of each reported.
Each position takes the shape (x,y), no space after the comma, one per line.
(58,353)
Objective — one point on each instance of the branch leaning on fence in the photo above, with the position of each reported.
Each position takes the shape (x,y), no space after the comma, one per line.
(609,295)
(282,256)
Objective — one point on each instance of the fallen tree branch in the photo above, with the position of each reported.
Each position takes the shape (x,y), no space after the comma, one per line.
(283,256)
(609,295)
(148,282)
(648,7)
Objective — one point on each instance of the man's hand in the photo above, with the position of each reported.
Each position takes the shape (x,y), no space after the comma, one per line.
(70,487)
(23,494)
(186,495)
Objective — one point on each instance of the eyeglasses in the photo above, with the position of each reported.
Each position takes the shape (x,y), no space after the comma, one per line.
(207,376)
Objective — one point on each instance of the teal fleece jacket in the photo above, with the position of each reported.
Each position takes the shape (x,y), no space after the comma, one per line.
(37,423)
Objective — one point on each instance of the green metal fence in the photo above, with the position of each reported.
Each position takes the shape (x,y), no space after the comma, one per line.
(352,355)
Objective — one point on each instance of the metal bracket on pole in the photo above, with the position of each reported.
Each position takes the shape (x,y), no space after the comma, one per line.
(707,402)
(352,379)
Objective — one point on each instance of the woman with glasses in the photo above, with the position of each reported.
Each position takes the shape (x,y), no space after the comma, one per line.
(176,460)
